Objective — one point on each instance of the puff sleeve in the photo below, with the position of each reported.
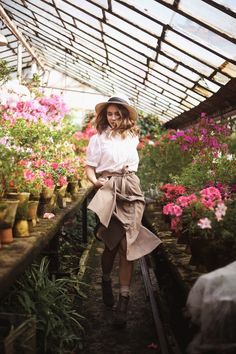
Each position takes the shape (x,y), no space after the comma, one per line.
(93,154)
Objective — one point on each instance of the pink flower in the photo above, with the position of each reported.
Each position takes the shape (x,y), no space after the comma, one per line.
(48,215)
(204,223)
(55,165)
(62,180)
(29,175)
(172,209)
(48,182)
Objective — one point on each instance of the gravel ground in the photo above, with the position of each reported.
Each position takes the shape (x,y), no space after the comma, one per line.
(100,336)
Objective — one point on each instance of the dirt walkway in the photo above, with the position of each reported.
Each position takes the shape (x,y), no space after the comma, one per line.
(100,336)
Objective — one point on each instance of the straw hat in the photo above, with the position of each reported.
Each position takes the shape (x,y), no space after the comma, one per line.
(117,100)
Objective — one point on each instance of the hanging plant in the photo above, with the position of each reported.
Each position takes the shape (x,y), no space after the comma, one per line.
(5,72)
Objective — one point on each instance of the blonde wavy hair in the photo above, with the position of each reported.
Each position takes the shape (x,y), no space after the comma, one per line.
(123,126)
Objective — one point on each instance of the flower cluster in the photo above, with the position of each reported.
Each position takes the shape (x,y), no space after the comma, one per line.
(207,134)
(48,110)
(172,191)
(195,209)
(80,139)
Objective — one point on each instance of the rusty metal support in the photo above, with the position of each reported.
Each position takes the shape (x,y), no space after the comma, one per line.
(156,316)
(84,221)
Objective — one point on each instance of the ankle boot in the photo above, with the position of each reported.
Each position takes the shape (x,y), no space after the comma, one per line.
(121,312)
(107,294)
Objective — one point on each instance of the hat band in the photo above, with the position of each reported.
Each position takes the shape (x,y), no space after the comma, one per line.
(117,99)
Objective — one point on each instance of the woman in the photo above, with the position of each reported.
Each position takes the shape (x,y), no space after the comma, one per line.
(111,163)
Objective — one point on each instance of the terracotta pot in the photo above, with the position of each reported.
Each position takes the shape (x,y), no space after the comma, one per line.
(6,236)
(3,212)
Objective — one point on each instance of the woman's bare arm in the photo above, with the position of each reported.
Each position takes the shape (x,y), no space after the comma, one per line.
(97,182)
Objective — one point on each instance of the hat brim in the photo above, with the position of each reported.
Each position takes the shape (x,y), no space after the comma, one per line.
(132,111)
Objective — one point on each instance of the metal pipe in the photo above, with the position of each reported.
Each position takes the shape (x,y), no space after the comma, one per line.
(156,316)
(9,23)
(19,62)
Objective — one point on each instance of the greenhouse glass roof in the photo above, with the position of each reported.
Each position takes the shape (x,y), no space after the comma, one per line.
(167,56)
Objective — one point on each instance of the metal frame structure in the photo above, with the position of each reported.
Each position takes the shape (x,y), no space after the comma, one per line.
(168,56)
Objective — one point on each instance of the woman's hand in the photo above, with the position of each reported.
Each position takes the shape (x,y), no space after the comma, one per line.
(97,182)
(100,182)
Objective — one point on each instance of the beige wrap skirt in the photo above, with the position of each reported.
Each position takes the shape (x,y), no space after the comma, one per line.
(119,205)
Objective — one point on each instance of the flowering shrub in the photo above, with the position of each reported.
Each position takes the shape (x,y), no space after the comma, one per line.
(193,157)
(48,110)
(81,139)
(201,214)
(207,134)
(36,136)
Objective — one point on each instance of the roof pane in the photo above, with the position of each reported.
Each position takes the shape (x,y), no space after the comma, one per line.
(209,85)
(171,74)
(124,49)
(153,73)
(203,36)
(87,29)
(166,61)
(229,69)
(128,41)
(176,85)
(81,36)
(231,4)
(134,17)
(187,104)
(102,3)
(153,9)
(131,30)
(45,14)
(46,7)
(66,17)
(17,7)
(126,58)
(126,65)
(90,52)
(186,59)
(171,2)
(54,30)
(187,73)
(193,49)
(210,15)
(168,94)
(125,72)
(97,49)
(15,14)
(76,13)
(221,79)
(87,6)
(195,95)
(166,86)
(202,91)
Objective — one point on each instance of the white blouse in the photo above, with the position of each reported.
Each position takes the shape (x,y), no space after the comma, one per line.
(112,153)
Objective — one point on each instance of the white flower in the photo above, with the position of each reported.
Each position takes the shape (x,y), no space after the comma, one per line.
(229,157)
(220,211)
(204,223)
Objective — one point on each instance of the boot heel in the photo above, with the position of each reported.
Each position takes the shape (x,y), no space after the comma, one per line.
(120,319)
